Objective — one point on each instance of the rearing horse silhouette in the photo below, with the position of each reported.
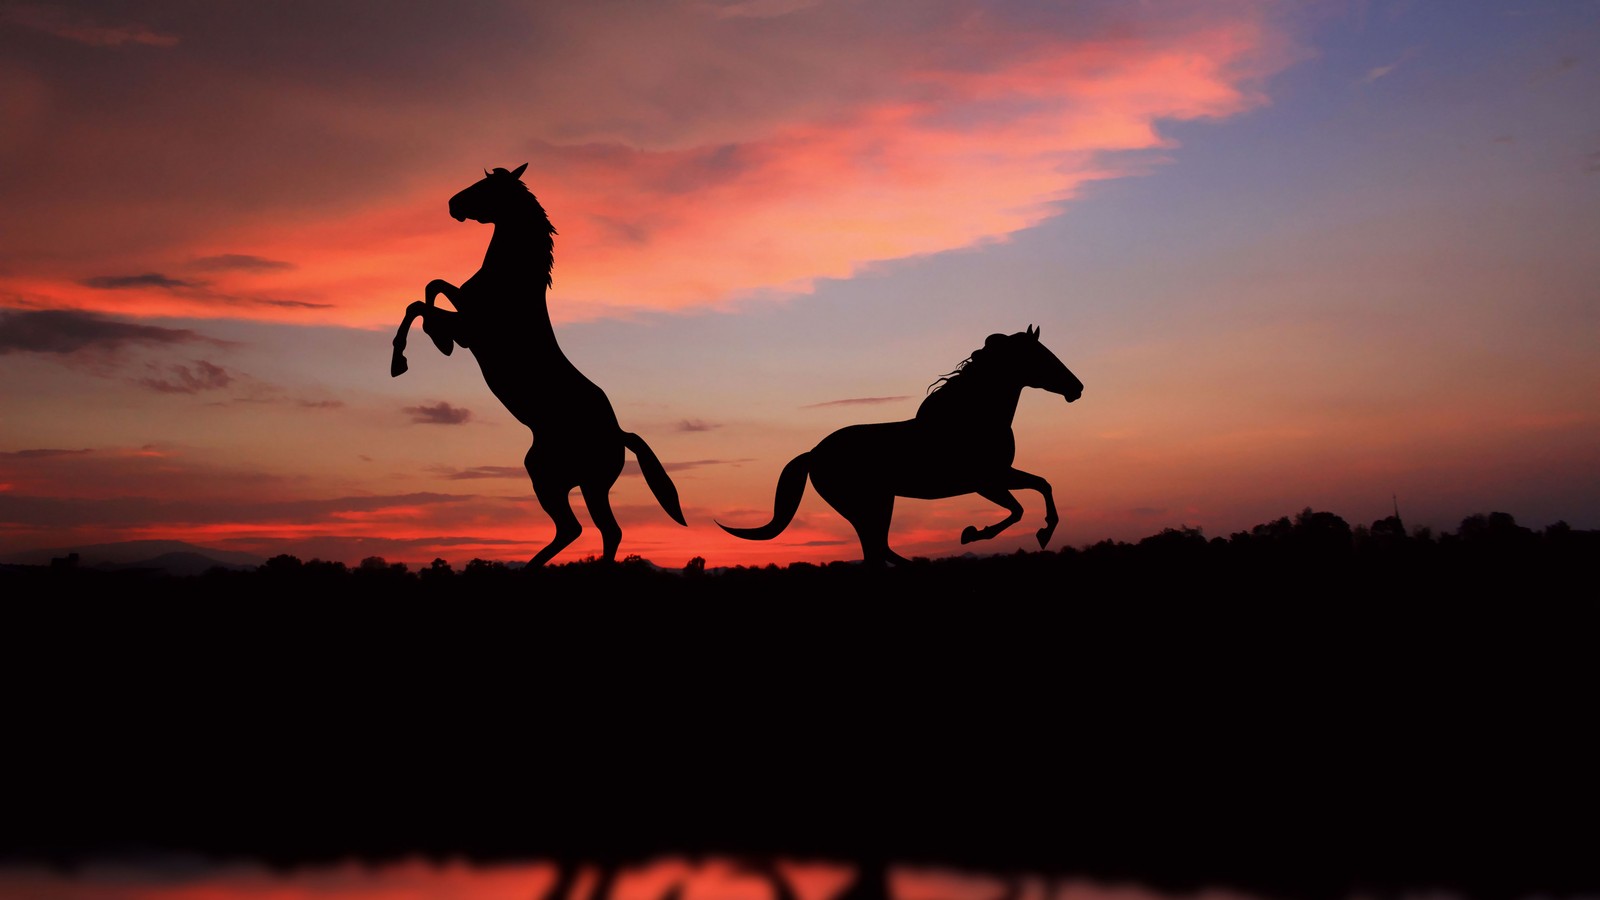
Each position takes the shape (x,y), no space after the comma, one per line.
(959,443)
(502,317)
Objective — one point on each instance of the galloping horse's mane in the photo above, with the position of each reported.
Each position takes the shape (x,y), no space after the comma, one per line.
(965,367)
(952,375)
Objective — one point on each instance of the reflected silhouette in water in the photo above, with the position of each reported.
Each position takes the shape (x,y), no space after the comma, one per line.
(959,443)
(502,317)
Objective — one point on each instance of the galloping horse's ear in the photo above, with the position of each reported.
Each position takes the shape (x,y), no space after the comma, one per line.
(517,172)
(1033,332)
(486,173)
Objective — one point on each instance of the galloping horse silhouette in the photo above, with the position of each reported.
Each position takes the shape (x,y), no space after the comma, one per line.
(501,316)
(959,443)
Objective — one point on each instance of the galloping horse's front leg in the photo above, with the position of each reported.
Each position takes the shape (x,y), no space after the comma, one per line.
(1000,497)
(1015,479)
(1020,480)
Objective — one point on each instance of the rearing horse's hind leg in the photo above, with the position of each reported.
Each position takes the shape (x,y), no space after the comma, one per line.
(598,499)
(557,503)
(1000,497)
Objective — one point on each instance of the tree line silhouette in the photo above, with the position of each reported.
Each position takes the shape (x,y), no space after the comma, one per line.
(1312,552)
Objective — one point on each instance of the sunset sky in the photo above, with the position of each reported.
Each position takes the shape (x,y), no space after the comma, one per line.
(1301,254)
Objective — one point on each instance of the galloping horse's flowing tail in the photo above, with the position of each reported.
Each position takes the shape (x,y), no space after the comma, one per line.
(791,485)
(655,475)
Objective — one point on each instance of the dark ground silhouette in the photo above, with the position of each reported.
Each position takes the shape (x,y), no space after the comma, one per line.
(1300,710)
(502,316)
(960,442)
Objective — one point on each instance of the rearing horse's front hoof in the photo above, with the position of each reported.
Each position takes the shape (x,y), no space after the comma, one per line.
(970,534)
(397,365)
(1044,535)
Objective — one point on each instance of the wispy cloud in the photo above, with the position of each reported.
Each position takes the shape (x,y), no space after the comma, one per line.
(200,290)
(146,280)
(694,425)
(441,413)
(1377,73)
(477,472)
(240,262)
(858,401)
(631,467)
(79,27)
(177,378)
(70,331)
(43,453)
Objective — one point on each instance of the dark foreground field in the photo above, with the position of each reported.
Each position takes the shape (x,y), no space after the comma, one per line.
(1307,723)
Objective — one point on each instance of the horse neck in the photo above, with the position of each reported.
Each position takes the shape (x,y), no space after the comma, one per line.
(513,268)
(516,248)
(973,396)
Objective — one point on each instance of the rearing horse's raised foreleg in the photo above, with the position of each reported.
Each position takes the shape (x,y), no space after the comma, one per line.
(436,322)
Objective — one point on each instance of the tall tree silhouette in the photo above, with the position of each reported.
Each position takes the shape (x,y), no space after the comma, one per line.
(959,443)
(502,317)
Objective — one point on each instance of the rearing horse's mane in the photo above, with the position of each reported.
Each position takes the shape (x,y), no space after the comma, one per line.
(550,230)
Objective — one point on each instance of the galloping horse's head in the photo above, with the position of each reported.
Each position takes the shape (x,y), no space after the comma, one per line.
(498,195)
(1022,356)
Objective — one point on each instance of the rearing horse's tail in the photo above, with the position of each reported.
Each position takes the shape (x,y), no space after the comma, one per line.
(655,475)
(791,485)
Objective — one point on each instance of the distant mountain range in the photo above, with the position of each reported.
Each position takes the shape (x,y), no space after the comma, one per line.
(171,557)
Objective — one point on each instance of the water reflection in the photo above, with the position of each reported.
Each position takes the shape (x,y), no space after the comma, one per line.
(188,878)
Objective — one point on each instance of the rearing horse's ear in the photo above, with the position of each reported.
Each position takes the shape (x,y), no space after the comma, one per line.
(517,172)
(1033,332)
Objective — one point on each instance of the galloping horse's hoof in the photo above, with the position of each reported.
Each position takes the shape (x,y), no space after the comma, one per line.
(1044,535)
(397,365)
(970,534)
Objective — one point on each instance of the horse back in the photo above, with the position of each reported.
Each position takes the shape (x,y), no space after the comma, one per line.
(914,458)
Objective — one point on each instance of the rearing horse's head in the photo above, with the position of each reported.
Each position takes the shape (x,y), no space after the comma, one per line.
(1022,356)
(500,194)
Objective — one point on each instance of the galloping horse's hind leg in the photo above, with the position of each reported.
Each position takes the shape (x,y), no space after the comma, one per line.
(870,516)
(553,496)
(1017,479)
(1000,497)
(597,498)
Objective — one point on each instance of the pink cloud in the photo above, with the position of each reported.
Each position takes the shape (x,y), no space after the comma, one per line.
(756,149)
